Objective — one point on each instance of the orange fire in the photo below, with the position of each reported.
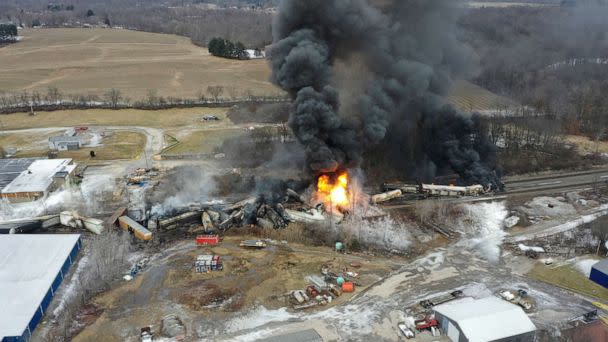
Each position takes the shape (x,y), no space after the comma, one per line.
(333,190)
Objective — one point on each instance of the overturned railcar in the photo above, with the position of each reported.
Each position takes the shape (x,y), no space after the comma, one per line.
(134,228)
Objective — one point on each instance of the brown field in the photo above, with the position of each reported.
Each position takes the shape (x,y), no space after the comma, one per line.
(91,61)
(250,278)
(169,118)
(587,146)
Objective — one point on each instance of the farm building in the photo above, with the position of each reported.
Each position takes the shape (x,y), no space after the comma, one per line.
(33,267)
(599,273)
(487,319)
(65,143)
(39,179)
(255,54)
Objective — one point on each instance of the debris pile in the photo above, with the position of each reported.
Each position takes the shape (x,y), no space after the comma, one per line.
(219,217)
(323,289)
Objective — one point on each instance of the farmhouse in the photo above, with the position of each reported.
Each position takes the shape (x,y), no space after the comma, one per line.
(487,319)
(33,267)
(65,143)
(38,180)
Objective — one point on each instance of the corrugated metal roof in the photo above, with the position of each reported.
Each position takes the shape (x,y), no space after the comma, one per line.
(64,138)
(487,319)
(309,335)
(12,168)
(602,266)
(38,176)
(28,264)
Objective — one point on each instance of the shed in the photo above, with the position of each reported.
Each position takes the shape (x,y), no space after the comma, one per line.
(65,143)
(482,320)
(599,273)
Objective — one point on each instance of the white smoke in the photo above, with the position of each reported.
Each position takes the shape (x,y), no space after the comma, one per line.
(481,226)
(384,232)
(87,199)
(185,186)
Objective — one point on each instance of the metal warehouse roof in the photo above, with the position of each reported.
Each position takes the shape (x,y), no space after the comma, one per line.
(28,266)
(39,175)
(64,138)
(487,319)
(309,335)
(602,266)
(11,168)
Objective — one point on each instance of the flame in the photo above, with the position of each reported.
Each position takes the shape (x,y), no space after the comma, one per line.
(332,190)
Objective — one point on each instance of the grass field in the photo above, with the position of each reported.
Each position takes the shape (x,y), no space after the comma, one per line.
(569,278)
(204,141)
(190,117)
(468,97)
(120,145)
(91,61)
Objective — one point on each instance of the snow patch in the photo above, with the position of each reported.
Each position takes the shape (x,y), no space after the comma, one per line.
(584,266)
(72,288)
(482,229)
(258,317)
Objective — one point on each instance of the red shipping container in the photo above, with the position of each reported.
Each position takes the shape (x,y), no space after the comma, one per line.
(207,240)
(348,287)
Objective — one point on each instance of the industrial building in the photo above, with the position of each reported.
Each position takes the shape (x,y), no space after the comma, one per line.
(11,168)
(33,267)
(65,143)
(39,179)
(599,273)
(483,320)
(310,335)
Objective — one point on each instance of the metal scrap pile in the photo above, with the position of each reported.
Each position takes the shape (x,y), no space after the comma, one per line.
(322,290)
(277,214)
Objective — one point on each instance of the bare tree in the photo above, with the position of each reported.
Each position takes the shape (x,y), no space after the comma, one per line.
(53,95)
(152,97)
(114,96)
(215,92)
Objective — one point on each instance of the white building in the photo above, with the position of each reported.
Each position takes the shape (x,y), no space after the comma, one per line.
(65,143)
(255,54)
(484,320)
(41,177)
(32,268)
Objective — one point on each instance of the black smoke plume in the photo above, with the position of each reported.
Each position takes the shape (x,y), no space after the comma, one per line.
(411,53)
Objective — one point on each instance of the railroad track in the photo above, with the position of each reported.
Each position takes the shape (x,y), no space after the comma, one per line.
(536,185)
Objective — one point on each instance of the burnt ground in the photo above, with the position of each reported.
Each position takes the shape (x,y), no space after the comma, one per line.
(251,278)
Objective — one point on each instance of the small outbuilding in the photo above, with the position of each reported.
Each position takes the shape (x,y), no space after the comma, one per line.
(483,320)
(65,143)
(599,273)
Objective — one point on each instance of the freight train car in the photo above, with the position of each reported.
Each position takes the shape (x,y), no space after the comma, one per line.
(432,190)
(134,228)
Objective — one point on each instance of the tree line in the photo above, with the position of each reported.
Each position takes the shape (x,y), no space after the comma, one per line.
(241,23)
(55,99)
(8,33)
(220,47)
